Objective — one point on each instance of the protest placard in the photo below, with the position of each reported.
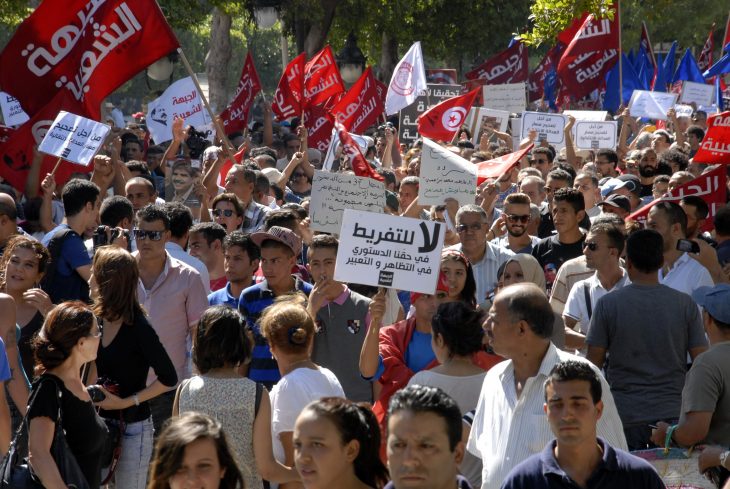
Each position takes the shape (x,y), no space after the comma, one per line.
(595,135)
(700,93)
(508,96)
(587,115)
(74,138)
(181,99)
(332,193)
(549,127)
(683,110)
(653,105)
(13,113)
(516,130)
(445,175)
(408,117)
(480,116)
(389,251)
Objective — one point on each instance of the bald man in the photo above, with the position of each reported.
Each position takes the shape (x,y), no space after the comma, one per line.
(140,192)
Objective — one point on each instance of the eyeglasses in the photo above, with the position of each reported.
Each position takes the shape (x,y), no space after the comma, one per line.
(100,330)
(152,235)
(591,246)
(515,218)
(462,228)
(222,212)
(298,175)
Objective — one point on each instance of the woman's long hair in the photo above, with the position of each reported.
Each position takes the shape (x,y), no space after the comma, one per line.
(20,241)
(469,292)
(64,326)
(117,276)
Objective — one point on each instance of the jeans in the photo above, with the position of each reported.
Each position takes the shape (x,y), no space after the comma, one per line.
(135,458)
(161,407)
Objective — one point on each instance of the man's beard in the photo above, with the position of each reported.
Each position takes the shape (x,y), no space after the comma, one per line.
(512,233)
(647,171)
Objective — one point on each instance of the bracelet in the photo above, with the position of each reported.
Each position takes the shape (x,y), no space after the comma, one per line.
(668,438)
(136,399)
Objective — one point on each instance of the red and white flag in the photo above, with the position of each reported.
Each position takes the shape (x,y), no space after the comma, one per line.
(319,127)
(361,106)
(407,82)
(499,166)
(709,186)
(645,42)
(443,120)
(235,116)
(88,48)
(704,60)
(508,66)
(715,147)
(288,95)
(321,78)
(359,164)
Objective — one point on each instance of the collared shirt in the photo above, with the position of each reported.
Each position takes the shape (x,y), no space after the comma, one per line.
(616,469)
(686,275)
(254,215)
(174,304)
(503,242)
(508,429)
(177,252)
(223,296)
(461,483)
(485,270)
(576,307)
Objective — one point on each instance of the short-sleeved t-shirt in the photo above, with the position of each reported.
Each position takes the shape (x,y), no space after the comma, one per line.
(707,389)
(551,254)
(73,252)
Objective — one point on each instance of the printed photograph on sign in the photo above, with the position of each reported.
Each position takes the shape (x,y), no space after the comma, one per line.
(481,119)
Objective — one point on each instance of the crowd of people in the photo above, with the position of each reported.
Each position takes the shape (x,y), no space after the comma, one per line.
(181,321)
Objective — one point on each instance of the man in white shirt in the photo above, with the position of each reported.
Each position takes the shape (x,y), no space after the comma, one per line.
(509,423)
(181,220)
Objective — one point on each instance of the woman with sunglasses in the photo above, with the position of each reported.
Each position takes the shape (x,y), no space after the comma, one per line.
(129,348)
(228,211)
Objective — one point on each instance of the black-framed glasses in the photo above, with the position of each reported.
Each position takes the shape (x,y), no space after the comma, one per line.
(223,212)
(514,218)
(462,228)
(590,245)
(152,235)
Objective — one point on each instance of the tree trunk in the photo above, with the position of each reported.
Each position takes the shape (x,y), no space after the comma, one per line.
(216,61)
(311,38)
(388,57)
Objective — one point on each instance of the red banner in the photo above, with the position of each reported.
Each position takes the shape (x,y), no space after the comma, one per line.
(443,120)
(536,81)
(704,60)
(569,33)
(710,186)
(88,48)
(361,106)
(593,35)
(499,166)
(319,127)
(715,147)
(288,94)
(321,78)
(359,164)
(509,66)
(382,89)
(235,116)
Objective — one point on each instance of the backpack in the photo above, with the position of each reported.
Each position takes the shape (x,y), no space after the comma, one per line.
(58,287)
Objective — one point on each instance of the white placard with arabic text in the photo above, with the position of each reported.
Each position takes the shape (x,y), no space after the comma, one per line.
(683,110)
(508,96)
(445,175)
(595,135)
(389,251)
(332,193)
(13,113)
(587,115)
(181,99)
(549,127)
(700,93)
(653,105)
(74,138)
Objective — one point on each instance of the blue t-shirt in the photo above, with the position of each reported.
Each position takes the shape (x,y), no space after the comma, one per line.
(223,296)
(4,365)
(73,252)
(419,355)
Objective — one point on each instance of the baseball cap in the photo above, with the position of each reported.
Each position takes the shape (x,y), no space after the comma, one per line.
(272,174)
(284,236)
(631,182)
(715,300)
(442,285)
(618,201)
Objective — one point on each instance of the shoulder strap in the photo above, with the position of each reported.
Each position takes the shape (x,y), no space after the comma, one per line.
(55,245)
(259,394)
(587,295)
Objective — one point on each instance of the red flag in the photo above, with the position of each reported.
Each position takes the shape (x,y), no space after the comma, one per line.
(361,106)
(228,164)
(235,116)
(508,66)
(321,78)
(569,33)
(709,186)
(726,39)
(288,94)
(715,147)
(645,42)
(5,133)
(319,127)
(359,164)
(443,120)
(17,152)
(704,60)
(88,48)
(382,89)
(499,166)
(536,81)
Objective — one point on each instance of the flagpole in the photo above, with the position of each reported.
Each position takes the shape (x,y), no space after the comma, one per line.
(214,118)
(58,163)
(620,57)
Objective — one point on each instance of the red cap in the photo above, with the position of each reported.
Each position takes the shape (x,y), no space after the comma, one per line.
(442,285)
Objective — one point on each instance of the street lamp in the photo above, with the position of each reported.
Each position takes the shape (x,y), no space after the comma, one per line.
(265,12)
(162,69)
(350,60)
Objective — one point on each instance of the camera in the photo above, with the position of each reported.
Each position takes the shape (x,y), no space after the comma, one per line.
(105,235)
(196,143)
(97,394)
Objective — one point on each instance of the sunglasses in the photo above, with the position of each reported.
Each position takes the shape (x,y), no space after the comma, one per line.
(222,212)
(462,228)
(152,235)
(591,246)
(516,218)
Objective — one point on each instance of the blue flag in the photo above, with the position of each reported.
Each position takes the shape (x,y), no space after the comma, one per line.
(688,69)
(631,82)
(669,63)
(720,67)
(644,68)
(718,95)
(660,83)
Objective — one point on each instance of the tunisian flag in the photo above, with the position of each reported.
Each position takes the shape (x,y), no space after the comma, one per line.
(715,147)
(235,115)
(321,78)
(359,164)
(288,94)
(88,48)
(508,66)
(443,120)
(499,166)
(361,106)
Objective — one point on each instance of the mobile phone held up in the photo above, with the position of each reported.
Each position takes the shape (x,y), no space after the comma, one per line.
(688,246)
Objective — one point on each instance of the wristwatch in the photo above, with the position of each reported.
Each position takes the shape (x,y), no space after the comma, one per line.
(723,457)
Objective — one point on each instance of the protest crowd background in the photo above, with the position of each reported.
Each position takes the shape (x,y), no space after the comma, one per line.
(500,276)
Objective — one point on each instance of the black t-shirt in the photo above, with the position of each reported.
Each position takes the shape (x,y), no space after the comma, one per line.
(646,190)
(127,360)
(27,333)
(551,254)
(85,431)
(547,227)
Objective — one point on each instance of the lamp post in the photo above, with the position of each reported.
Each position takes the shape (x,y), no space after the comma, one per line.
(161,69)
(265,12)
(351,60)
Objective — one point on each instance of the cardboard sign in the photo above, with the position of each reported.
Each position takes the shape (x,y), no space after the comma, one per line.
(332,193)
(389,251)
(181,99)
(550,127)
(13,113)
(480,116)
(700,93)
(587,115)
(408,117)
(74,138)
(509,96)
(653,105)
(445,175)
(595,135)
